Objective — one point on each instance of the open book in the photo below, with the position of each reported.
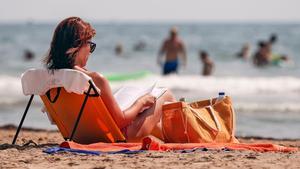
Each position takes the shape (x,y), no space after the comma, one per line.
(127,95)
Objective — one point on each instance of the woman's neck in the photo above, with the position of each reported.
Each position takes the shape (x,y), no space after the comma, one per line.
(79,63)
(77,67)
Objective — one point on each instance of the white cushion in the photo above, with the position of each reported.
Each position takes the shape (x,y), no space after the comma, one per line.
(39,81)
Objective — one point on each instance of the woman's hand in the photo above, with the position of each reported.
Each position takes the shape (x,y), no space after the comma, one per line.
(146,101)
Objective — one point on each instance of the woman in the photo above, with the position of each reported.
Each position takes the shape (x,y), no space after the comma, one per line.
(70,49)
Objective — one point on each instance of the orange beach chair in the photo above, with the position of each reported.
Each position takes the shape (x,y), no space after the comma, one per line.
(73,103)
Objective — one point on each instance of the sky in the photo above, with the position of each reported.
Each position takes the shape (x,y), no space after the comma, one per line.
(151,10)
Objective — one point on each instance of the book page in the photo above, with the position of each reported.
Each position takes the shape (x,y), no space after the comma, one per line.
(158,91)
(127,95)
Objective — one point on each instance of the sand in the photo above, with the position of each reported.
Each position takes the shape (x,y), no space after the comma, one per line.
(31,156)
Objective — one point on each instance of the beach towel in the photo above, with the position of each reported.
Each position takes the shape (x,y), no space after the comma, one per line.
(150,143)
(39,81)
(154,144)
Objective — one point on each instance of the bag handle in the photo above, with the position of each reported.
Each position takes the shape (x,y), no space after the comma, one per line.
(211,111)
(184,122)
(232,122)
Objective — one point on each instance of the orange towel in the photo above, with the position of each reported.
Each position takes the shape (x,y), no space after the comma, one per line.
(151,143)
(106,147)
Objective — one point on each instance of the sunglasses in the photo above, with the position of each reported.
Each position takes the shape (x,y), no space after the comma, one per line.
(92,46)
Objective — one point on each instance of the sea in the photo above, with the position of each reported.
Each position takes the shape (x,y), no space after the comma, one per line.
(266,100)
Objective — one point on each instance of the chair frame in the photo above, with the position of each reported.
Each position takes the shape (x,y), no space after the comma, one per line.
(78,117)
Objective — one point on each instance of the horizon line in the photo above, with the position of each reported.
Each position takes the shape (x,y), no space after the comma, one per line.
(159,21)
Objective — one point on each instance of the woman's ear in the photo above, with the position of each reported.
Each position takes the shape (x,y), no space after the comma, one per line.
(72,50)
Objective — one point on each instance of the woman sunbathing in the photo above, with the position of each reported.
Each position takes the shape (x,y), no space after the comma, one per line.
(70,49)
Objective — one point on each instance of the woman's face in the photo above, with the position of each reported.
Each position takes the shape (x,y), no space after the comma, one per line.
(83,55)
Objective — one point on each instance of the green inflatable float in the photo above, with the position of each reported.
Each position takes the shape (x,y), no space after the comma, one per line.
(126,76)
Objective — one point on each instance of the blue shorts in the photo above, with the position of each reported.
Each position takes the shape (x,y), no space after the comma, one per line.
(170,67)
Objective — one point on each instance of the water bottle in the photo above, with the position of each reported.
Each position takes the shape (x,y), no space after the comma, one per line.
(220,97)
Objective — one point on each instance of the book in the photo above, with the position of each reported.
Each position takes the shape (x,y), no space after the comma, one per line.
(127,95)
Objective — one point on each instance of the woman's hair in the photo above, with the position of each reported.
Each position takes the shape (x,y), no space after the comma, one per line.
(68,37)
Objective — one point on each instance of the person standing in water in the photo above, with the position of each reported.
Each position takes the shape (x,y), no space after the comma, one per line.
(119,49)
(273,39)
(245,52)
(208,64)
(28,55)
(173,49)
(262,55)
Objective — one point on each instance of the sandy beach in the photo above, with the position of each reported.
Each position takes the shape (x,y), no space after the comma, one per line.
(31,143)
(129,50)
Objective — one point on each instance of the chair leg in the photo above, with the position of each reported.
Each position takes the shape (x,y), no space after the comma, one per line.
(22,120)
(80,113)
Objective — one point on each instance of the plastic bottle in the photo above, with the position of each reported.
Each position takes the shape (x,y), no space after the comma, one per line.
(220,97)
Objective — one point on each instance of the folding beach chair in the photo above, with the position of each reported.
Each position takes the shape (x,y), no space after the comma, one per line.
(73,102)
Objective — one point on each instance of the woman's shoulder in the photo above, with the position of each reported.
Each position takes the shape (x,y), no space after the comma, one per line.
(97,75)
(93,75)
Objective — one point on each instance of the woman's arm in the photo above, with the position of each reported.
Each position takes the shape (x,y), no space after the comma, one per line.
(140,105)
(121,118)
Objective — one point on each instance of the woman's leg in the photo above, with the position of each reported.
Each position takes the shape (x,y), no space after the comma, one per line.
(148,120)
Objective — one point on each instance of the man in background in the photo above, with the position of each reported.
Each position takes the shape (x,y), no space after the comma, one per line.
(173,49)
(262,56)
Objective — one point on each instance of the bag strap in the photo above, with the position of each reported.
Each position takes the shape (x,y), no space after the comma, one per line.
(232,121)
(184,122)
(204,122)
(212,112)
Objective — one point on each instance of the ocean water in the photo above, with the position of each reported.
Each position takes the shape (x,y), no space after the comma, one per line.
(266,100)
